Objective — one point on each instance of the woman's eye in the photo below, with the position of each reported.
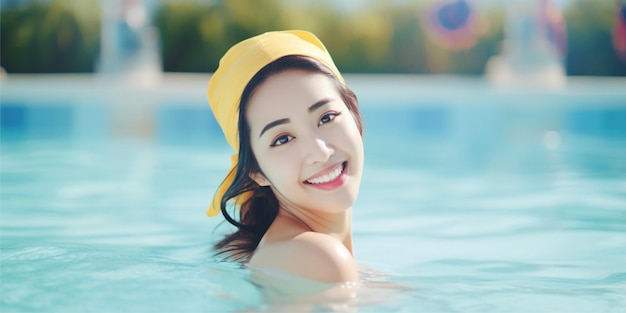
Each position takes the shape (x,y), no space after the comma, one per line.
(327,118)
(281,140)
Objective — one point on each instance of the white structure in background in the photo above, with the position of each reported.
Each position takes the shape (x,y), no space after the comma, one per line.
(130,66)
(530,54)
(129,43)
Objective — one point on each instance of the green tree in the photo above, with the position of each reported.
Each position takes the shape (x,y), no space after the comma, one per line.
(590,45)
(49,38)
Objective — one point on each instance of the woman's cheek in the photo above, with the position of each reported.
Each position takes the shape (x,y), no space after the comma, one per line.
(280,159)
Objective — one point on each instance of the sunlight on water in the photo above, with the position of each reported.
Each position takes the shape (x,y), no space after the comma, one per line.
(484,209)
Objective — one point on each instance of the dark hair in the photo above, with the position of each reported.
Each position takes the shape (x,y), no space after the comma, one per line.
(259,211)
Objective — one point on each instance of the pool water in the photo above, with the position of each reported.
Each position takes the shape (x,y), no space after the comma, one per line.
(477,200)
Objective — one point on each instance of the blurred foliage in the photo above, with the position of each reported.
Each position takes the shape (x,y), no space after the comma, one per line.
(57,36)
(64,35)
(590,51)
(377,38)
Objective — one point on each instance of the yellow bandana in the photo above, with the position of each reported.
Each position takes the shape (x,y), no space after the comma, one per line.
(240,63)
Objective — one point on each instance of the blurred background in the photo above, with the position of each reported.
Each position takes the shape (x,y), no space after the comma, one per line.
(364,36)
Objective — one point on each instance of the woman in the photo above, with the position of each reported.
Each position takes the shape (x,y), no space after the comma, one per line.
(296,128)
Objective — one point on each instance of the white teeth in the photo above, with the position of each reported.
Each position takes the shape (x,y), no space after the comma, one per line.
(328,177)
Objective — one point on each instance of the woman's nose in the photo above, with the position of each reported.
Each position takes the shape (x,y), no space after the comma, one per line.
(318,151)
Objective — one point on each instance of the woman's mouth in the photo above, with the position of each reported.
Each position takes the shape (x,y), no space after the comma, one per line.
(331,179)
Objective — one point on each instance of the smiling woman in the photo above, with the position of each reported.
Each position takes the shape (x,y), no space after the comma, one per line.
(296,128)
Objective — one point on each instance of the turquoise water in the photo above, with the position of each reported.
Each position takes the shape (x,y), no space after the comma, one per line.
(511,202)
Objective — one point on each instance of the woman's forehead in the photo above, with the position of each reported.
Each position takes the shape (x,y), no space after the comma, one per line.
(290,91)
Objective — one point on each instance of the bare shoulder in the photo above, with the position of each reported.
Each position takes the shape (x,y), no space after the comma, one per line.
(312,255)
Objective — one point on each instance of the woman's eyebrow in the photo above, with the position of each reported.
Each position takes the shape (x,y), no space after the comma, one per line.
(274,124)
(318,104)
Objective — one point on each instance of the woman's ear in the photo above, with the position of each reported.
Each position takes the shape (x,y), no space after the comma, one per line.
(260,179)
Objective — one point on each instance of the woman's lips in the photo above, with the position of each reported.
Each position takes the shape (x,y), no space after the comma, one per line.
(329,179)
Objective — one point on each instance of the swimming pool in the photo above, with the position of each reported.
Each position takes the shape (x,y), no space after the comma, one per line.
(474,199)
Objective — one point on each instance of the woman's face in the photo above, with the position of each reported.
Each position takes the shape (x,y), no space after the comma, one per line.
(305,141)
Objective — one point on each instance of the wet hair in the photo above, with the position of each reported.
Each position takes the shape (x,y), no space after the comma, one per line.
(259,211)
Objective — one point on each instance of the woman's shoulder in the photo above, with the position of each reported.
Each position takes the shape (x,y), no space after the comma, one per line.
(308,254)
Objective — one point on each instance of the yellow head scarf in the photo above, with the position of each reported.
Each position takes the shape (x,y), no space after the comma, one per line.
(240,63)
